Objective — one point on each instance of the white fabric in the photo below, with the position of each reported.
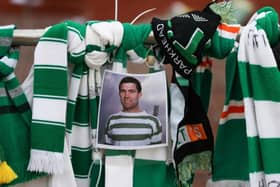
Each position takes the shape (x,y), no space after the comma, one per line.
(119,171)
(134,58)
(177,109)
(227,183)
(66,179)
(158,154)
(262,112)
(110,33)
(118,67)
(102,34)
(95,59)
(27,85)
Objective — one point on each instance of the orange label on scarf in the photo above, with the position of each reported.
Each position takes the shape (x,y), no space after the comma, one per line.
(196,132)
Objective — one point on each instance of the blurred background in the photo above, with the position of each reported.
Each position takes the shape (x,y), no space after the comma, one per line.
(38,14)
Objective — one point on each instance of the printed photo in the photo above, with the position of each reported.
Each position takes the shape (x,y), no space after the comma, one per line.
(132,111)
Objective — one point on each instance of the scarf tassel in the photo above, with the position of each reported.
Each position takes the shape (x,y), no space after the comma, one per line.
(44,161)
(7,174)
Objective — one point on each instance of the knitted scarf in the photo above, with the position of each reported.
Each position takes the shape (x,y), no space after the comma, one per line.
(68,41)
(231,125)
(49,101)
(132,168)
(190,159)
(241,116)
(62,42)
(15,115)
(100,44)
(258,76)
(227,146)
(78,124)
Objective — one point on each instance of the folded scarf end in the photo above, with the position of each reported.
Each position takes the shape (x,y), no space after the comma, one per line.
(45,161)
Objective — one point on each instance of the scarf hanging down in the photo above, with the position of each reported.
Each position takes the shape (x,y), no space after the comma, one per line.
(59,43)
(62,42)
(227,146)
(15,117)
(259,76)
(249,97)
(131,168)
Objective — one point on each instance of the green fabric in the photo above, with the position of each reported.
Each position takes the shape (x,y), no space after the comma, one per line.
(247,84)
(269,23)
(78,106)
(158,172)
(6,38)
(82,112)
(256,63)
(201,81)
(90,46)
(2,156)
(70,37)
(50,82)
(133,38)
(15,117)
(151,173)
(95,175)
(221,45)
(228,146)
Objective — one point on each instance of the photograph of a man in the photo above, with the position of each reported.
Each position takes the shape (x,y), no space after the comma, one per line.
(133,111)
(132,126)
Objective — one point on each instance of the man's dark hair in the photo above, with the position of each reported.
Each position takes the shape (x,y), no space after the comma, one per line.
(129,79)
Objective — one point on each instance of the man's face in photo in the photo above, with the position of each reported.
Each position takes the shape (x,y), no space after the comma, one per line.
(129,96)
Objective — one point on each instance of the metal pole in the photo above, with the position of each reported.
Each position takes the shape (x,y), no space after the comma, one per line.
(30,37)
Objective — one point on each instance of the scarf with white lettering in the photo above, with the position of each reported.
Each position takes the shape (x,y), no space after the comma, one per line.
(183,38)
(242,113)
(259,76)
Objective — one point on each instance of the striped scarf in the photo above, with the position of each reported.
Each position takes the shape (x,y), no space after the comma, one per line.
(75,106)
(49,101)
(231,125)
(188,159)
(221,44)
(133,168)
(15,114)
(259,76)
(227,146)
(102,38)
(246,112)
(232,121)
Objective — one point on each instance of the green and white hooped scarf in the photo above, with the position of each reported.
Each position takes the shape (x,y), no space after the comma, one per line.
(259,76)
(251,104)
(132,168)
(15,114)
(60,43)
(49,101)
(63,43)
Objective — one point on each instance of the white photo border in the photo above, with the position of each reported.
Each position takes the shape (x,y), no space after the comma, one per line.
(154,88)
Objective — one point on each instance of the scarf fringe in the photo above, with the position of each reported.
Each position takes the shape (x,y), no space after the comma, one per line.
(227,183)
(45,161)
